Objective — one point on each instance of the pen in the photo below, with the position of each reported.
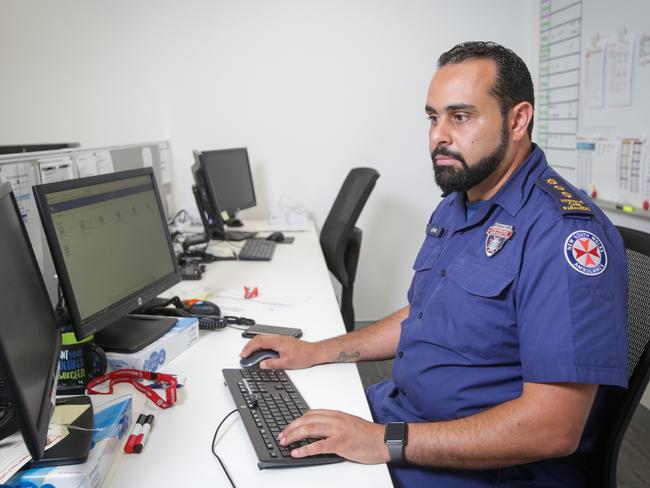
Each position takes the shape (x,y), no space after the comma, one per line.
(146,429)
(135,432)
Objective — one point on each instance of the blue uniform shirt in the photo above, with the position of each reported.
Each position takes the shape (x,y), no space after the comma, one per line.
(531,288)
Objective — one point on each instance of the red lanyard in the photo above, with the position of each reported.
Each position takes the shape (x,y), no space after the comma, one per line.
(134,376)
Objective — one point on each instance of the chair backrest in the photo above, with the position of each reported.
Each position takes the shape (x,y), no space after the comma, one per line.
(619,405)
(338,227)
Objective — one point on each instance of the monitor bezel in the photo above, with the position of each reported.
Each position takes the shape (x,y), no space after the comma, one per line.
(209,184)
(217,227)
(35,436)
(127,304)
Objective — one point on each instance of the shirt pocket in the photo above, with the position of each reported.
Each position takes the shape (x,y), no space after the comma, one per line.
(423,263)
(478,302)
(428,253)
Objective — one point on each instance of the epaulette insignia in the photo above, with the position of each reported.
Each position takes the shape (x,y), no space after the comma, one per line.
(560,191)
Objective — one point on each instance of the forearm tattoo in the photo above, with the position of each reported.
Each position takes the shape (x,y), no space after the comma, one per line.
(344,358)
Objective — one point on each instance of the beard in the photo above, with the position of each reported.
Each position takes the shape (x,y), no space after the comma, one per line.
(452,179)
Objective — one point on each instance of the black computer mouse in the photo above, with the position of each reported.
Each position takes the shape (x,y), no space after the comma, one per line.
(276,236)
(204,308)
(253,361)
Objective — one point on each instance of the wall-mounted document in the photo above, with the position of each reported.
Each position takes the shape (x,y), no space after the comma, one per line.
(21,177)
(147,157)
(595,73)
(165,163)
(619,70)
(56,169)
(91,163)
(597,171)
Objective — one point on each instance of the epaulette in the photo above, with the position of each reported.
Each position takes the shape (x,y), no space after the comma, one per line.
(563,194)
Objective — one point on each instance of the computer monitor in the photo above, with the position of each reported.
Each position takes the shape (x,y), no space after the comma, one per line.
(29,347)
(224,186)
(23,148)
(112,252)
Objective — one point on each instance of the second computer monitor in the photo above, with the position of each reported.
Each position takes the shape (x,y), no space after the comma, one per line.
(112,252)
(229,178)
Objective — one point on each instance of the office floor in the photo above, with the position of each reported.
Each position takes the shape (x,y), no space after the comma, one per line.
(634,458)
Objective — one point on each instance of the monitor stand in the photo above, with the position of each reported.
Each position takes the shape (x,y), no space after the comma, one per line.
(133,332)
(234,222)
(74,448)
(232,235)
(213,230)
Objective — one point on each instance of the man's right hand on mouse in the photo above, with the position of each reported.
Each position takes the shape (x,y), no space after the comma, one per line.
(294,353)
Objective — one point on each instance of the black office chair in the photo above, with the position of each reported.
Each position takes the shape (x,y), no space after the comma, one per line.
(619,405)
(341,240)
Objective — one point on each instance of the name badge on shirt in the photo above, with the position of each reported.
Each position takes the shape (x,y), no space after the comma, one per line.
(435,231)
(497,235)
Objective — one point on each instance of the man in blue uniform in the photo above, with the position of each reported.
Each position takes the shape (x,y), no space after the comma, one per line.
(516,315)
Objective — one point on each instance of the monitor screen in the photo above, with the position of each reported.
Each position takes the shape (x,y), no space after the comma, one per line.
(110,244)
(29,340)
(228,175)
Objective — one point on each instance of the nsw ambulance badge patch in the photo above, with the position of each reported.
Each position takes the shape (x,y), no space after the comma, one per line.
(585,253)
(497,235)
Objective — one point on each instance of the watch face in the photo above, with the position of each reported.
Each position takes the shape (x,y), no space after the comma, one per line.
(395,431)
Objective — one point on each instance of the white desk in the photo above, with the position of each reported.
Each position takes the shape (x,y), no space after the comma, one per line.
(178,452)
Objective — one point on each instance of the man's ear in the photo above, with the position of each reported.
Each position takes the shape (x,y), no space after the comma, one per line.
(521,116)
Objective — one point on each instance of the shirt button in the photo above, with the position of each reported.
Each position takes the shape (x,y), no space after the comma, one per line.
(443,273)
(401,354)
(420,315)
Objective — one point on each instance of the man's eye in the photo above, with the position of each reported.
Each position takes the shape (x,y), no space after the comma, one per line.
(432,118)
(461,118)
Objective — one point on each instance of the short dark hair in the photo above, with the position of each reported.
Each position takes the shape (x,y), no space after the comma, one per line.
(513,82)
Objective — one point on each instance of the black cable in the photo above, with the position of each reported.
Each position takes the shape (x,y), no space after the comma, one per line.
(223,466)
(182,212)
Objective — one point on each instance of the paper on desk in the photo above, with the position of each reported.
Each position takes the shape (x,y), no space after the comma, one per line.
(233,299)
(67,414)
(14,454)
(220,250)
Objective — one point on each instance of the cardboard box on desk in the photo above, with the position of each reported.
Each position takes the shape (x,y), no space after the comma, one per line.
(113,420)
(151,358)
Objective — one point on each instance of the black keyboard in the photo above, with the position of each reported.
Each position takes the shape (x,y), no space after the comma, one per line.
(257,250)
(268,401)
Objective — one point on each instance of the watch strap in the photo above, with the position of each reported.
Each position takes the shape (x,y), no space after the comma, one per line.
(396,446)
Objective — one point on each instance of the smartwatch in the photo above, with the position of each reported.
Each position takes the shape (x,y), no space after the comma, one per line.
(395,438)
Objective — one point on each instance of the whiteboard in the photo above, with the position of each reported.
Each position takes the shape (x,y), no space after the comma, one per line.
(593,106)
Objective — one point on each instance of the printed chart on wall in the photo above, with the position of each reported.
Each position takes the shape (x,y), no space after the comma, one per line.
(595,133)
(21,177)
(559,83)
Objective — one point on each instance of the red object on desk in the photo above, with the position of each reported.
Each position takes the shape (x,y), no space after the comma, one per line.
(250,292)
(134,376)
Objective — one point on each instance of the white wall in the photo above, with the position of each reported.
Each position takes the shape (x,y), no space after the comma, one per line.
(311,88)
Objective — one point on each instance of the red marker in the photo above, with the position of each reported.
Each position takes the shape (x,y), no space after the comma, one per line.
(146,429)
(135,433)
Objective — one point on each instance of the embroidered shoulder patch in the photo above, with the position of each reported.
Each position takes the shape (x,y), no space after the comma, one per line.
(585,253)
(564,195)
